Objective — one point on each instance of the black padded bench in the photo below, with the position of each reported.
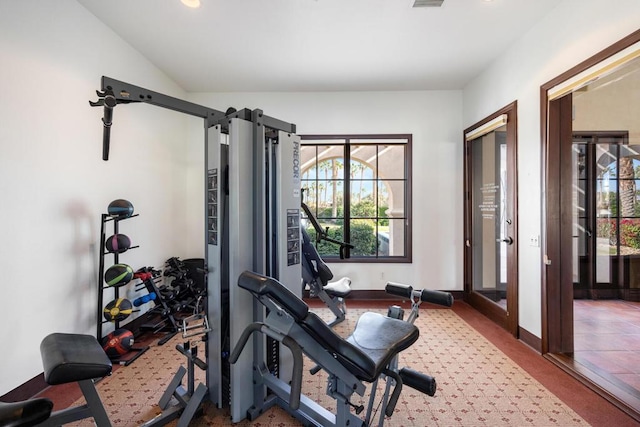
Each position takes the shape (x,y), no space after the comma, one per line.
(68,358)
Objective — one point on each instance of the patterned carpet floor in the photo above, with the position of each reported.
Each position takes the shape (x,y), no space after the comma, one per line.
(478,385)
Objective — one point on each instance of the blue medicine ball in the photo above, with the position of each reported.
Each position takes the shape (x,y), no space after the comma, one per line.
(120,208)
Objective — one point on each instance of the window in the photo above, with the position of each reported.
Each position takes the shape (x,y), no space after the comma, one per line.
(359,189)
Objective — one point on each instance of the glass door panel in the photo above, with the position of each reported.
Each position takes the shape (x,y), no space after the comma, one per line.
(581,229)
(490,239)
(606,211)
(604,214)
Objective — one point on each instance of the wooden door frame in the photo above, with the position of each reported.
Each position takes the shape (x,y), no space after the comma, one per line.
(557,283)
(508,319)
(556,274)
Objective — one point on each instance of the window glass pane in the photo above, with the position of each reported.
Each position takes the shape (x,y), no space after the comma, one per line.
(606,197)
(631,154)
(363,204)
(391,161)
(309,194)
(325,249)
(628,197)
(395,234)
(308,161)
(636,204)
(629,235)
(363,237)
(330,162)
(363,161)
(359,171)
(329,198)
(383,237)
(330,168)
(391,198)
(606,166)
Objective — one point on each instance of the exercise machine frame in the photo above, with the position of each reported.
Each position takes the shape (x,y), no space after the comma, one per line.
(244,161)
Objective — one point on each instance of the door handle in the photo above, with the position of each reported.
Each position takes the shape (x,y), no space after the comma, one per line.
(508,240)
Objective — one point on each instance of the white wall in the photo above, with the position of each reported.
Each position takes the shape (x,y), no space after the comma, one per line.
(53,182)
(574,31)
(434,119)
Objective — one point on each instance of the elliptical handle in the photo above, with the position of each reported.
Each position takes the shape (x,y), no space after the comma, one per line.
(399,289)
(437,297)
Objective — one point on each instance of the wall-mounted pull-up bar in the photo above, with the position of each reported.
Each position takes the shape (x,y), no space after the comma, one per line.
(114,92)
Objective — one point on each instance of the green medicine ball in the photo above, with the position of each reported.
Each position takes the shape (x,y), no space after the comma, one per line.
(118,275)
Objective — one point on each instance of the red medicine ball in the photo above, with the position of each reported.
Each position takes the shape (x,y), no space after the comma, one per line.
(118,343)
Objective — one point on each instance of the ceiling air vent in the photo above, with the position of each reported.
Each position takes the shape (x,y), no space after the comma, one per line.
(428,3)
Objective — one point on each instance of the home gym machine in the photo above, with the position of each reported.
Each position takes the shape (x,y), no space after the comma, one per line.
(253,263)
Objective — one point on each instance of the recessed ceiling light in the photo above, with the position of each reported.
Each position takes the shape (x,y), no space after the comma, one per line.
(191,3)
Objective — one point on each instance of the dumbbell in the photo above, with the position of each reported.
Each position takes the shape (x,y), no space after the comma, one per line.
(144,299)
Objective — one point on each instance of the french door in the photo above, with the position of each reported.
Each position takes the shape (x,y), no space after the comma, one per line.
(604,210)
(491,219)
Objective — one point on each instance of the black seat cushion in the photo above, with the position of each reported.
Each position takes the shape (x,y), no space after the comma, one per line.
(25,413)
(375,340)
(73,357)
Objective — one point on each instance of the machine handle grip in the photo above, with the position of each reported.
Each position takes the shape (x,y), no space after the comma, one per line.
(399,289)
(242,341)
(395,395)
(106,137)
(426,295)
(437,297)
(296,377)
(109,102)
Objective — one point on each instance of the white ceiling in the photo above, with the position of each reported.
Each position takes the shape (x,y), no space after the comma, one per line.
(320,45)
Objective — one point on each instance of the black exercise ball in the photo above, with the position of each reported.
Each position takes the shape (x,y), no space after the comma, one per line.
(120,208)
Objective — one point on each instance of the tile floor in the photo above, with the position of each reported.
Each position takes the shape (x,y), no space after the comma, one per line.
(607,341)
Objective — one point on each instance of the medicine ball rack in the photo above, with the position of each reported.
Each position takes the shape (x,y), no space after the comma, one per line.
(116,289)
